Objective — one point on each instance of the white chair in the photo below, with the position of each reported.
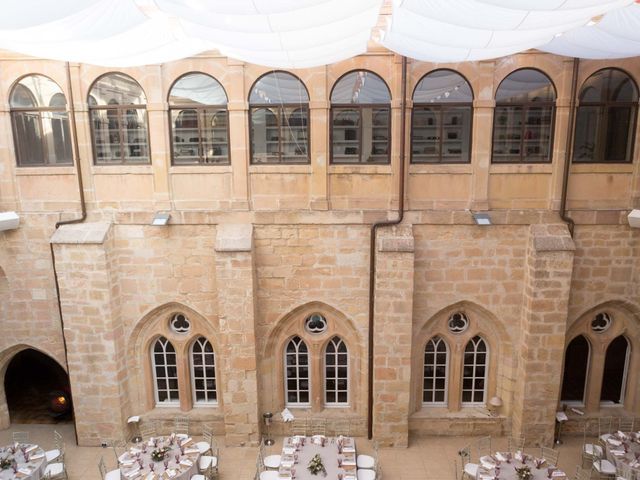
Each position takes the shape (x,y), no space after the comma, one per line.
(58,471)
(515,443)
(469,470)
(269,461)
(262,472)
(582,474)
(20,437)
(181,425)
(318,426)
(550,455)
(205,445)
(148,430)
(111,475)
(366,474)
(58,448)
(625,424)
(623,472)
(590,451)
(604,428)
(604,467)
(208,462)
(367,461)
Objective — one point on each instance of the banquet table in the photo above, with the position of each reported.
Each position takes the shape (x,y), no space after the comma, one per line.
(338,456)
(624,448)
(506,463)
(30,462)
(180,461)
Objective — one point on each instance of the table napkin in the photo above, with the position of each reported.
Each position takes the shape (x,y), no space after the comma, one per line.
(289,450)
(31,448)
(486,463)
(191,450)
(613,441)
(558,473)
(171,473)
(25,470)
(132,472)
(36,456)
(501,457)
(185,441)
(617,453)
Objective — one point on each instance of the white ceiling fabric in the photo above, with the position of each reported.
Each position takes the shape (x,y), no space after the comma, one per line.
(306,33)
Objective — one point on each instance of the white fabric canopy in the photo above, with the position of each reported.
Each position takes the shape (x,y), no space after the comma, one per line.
(304,33)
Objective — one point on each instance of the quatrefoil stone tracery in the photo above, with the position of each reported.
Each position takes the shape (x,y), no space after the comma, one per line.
(315,323)
(179,323)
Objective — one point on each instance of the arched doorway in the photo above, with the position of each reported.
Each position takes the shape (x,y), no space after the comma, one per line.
(576,361)
(615,371)
(37,389)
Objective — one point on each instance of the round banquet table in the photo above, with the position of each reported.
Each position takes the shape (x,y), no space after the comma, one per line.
(508,469)
(30,460)
(180,462)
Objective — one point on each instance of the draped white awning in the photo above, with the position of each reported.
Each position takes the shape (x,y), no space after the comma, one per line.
(305,33)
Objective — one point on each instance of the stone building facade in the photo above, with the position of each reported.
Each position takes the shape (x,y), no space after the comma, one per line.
(252,251)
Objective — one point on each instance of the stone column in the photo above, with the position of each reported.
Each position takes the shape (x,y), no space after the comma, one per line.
(392,343)
(236,282)
(542,332)
(94,333)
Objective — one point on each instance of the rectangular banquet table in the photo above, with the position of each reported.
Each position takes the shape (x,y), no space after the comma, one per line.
(329,454)
(508,469)
(624,448)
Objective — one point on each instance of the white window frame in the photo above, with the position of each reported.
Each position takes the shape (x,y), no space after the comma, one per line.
(156,391)
(203,341)
(625,372)
(485,378)
(297,367)
(336,341)
(579,403)
(436,340)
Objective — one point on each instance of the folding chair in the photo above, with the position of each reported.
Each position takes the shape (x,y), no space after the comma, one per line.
(550,455)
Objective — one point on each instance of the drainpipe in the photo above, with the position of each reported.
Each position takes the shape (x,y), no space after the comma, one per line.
(569,150)
(82,218)
(372,256)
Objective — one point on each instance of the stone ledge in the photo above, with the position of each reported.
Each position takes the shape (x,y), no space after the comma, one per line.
(552,238)
(81,233)
(234,237)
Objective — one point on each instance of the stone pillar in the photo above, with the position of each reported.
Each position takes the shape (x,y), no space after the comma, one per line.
(236,282)
(547,285)
(392,343)
(94,334)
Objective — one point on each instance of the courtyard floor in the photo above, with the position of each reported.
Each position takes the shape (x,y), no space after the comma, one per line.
(427,458)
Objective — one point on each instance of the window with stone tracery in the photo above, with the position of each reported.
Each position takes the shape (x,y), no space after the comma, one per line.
(165,372)
(297,387)
(436,363)
(203,372)
(474,379)
(336,386)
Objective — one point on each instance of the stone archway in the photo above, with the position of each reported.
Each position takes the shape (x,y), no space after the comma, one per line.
(36,388)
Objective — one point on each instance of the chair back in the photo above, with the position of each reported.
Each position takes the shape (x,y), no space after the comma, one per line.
(341,427)
(299,426)
(604,425)
(483,446)
(625,424)
(550,455)
(20,437)
(102,467)
(181,425)
(148,430)
(57,440)
(318,426)
(623,471)
(207,435)
(515,443)
(465,455)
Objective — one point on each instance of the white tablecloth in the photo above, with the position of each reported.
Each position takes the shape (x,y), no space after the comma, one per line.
(181,460)
(32,460)
(624,449)
(508,469)
(329,453)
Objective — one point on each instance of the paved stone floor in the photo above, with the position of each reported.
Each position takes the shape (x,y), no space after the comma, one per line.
(428,458)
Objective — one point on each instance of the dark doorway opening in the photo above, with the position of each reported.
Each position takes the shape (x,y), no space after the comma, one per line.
(37,389)
(576,361)
(615,371)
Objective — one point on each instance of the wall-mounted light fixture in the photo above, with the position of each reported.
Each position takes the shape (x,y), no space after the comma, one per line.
(9,220)
(160,219)
(481,218)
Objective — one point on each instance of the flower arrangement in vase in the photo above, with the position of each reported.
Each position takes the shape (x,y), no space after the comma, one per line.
(523,473)
(159,454)
(316,466)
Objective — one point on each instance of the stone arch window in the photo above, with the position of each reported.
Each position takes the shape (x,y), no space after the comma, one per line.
(360,119)
(279,119)
(435,372)
(474,375)
(606,118)
(523,118)
(441,119)
(297,374)
(165,373)
(199,121)
(576,366)
(40,123)
(614,377)
(118,112)
(203,372)
(336,373)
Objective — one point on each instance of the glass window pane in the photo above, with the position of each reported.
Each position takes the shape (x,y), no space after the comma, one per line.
(526,85)
(197,89)
(116,89)
(265,136)
(278,88)
(346,135)
(442,86)
(360,87)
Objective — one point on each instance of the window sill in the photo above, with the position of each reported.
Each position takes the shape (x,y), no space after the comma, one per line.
(511,168)
(121,170)
(46,170)
(187,169)
(360,169)
(601,168)
(280,168)
(441,168)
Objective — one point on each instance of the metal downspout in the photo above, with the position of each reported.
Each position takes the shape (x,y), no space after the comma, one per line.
(569,149)
(372,256)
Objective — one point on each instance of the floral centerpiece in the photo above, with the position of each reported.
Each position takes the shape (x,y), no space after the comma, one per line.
(523,473)
(316,466)
(159,454)
(5,463)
